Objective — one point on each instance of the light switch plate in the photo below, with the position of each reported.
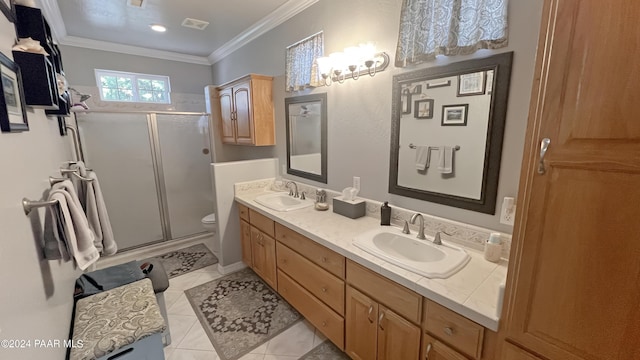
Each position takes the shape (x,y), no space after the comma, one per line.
(356,182)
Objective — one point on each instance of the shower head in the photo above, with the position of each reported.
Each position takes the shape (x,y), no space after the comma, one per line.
(83,97)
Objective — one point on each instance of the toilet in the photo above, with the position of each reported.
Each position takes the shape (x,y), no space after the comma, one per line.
(209,222)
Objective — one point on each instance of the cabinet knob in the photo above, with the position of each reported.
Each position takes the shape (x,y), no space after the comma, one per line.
(324,259)
(324,289)
(380,318)
(449,331)
(324,324)
(426,353)
(369,315)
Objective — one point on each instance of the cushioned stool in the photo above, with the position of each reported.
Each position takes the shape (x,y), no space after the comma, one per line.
(123,323)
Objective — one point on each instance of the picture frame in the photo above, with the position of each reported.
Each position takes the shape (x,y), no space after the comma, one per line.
(13,112)
(471,84)
(423,109)
(455,115)
(406,101)
(8,8)
(438,84)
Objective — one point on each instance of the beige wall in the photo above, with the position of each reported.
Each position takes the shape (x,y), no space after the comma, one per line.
(360,111)
(36,299)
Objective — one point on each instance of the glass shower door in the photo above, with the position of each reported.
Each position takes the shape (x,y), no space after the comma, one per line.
(186,164)
(117,146)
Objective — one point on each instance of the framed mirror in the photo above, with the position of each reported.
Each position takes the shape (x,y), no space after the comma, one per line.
(447,130)
(307,136)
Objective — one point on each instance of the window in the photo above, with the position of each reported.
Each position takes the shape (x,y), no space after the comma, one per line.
(132,87)
(449,27)
(301,69)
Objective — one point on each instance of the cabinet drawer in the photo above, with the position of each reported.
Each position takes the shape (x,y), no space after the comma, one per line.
(453,329)
(317,281)
(396,297)
(261,222)
(320,315)
(432,349)
(512,352)
(244,212)
(323,257)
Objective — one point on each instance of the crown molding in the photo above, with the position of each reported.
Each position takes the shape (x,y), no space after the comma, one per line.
(283,13)
(132,50)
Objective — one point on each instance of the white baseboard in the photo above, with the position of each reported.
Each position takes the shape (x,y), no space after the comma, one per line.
(231,268)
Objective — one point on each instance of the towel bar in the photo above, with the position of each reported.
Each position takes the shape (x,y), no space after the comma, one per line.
(73,172)
(29,205)
(411,146)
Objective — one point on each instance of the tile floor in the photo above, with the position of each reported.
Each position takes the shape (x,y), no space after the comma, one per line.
(190,342)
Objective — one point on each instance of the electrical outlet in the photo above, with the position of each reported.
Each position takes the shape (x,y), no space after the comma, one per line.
(356,182)
(508,212)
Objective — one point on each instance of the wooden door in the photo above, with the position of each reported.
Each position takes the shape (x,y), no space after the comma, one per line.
(263,256)
(397,337)
(245,239)
(243,114)
(433,349)
(361,326)
(574,288)
(227,125)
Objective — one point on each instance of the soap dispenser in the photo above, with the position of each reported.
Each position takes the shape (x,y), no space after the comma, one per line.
(385,214)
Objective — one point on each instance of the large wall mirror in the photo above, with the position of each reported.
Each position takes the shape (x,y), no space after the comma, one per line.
(307,136)
(447,130)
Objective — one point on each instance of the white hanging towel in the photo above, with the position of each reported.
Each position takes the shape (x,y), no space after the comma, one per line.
(98,217)
(445,159)
(80,186)
(422,157)
(74,229)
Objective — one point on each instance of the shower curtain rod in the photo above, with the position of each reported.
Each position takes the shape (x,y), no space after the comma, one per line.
(140,112)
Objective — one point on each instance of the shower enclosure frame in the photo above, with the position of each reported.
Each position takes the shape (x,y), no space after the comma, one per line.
(156,159)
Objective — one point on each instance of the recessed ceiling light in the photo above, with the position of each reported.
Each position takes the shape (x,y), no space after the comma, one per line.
(158,28)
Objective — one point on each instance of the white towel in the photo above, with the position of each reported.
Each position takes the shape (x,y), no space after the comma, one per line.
(423,157)
(445,159)
(73,223)
(98,217)
(81,186)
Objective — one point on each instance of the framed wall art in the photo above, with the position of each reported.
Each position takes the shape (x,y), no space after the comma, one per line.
(13,113)
(455,115)
(423,109)
(471,84)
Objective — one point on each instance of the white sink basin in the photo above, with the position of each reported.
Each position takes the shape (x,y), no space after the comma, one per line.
(282,202)
(422,257)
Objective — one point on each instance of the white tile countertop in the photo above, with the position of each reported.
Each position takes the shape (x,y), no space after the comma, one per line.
(471,292)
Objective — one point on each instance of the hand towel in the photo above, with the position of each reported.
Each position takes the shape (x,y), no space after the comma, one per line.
(445,159)
(55,241)
(98,217)
(423,157)
(79,237)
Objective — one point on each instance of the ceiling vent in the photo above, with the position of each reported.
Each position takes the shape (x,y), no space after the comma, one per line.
(141,4)
(194,23)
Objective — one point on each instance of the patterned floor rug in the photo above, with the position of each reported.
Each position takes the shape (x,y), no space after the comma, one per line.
(188,259)
(325,351)
(239,312)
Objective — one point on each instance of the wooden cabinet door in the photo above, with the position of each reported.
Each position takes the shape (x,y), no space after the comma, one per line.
(227,124)
(433,349)
(243,115)
(512,352)
(397,337)
(574,284)
(361,326)
(263,254)
(245,239)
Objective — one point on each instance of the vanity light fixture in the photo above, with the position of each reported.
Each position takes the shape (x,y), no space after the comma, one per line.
(158,28)
(354,61)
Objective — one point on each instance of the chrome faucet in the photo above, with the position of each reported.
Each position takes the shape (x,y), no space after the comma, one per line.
(421,225)
(292,192)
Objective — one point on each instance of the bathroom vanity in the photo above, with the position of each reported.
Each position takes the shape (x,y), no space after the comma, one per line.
(367,307)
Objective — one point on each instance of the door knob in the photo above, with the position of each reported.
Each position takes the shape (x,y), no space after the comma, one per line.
(544,145)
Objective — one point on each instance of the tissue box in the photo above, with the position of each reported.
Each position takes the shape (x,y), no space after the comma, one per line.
(349,208)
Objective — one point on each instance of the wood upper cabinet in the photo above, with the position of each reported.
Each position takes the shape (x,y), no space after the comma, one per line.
(573,289)
(246,111)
